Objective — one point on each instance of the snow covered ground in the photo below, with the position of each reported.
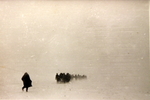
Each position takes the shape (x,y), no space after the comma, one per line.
(99,85)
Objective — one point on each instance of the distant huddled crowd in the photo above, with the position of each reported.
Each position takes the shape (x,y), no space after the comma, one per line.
(62,77)
(79,76)
(66,77)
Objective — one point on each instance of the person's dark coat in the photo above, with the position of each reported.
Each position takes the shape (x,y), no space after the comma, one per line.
(27,82)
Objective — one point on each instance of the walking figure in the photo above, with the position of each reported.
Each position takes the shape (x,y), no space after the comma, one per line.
(27,82)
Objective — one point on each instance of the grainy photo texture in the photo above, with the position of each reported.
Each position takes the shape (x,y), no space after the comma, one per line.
(74,50)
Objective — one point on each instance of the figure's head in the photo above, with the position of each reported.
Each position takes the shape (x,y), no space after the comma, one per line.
(67,73)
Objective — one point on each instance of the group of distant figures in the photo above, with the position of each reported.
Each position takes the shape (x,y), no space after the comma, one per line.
(63,78)
(60,78)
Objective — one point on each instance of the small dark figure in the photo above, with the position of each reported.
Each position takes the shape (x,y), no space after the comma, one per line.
(26,81)
(67,77)
(62,76)
(57,77)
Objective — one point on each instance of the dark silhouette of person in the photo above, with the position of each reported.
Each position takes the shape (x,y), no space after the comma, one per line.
(67,77)
(57,77)
(27,82)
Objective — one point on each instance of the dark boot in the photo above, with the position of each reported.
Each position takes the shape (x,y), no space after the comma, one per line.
(26,89)
(23,88)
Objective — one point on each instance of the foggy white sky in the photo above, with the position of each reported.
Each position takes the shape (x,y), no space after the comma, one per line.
(79,33)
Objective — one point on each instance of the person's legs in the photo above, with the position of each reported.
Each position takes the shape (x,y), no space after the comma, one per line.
(23,88)
(26,89)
